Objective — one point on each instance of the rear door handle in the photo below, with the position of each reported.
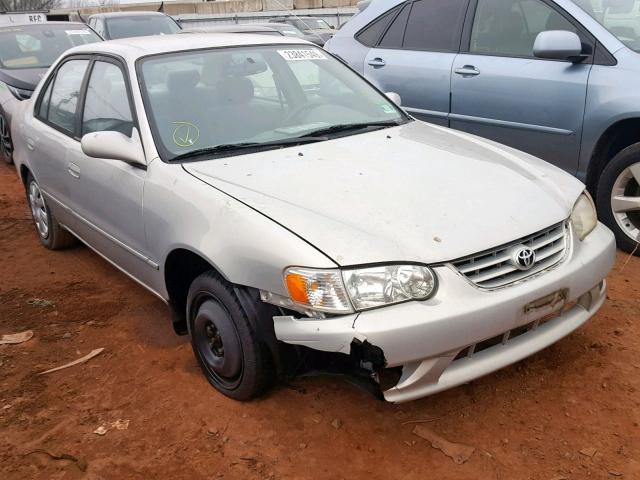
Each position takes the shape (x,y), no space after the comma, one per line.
(467,71)
(74,170)
(30,145)
(377,62)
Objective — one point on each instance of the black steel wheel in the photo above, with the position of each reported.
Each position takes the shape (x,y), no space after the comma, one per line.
(225,340)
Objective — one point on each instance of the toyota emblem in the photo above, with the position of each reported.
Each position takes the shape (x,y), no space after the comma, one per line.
(523,258)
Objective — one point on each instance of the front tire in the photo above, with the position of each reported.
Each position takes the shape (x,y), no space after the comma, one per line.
(225,341)
(618,198)
(6,144)
(49,231)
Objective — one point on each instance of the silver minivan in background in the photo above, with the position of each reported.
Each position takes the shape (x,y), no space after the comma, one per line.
(555,78)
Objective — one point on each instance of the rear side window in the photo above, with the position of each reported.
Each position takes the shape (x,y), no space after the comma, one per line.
(395,33)
(64,95)
(435,25)
(432,25)
(370,34)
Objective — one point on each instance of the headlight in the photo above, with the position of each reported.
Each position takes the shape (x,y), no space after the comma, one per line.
(584,217)
(388,284)
(335,291)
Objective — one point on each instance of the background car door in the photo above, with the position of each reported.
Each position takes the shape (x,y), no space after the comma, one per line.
(49,143)
(499,90)
(414,53)
(107,193)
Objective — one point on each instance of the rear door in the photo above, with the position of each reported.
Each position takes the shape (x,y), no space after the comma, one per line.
(414,46)
(53,136)
(499,90)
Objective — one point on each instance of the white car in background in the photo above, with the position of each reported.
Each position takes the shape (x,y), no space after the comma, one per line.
(282,205)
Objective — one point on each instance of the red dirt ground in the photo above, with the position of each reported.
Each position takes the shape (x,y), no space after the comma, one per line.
(529,421)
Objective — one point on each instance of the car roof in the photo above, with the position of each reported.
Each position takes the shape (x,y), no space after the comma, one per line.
(133,48)
(43,24)
(127,14)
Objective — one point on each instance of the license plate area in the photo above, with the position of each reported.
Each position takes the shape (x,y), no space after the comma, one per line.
(547,306)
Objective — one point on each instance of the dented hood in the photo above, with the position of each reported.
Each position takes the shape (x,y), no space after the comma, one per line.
(416,192)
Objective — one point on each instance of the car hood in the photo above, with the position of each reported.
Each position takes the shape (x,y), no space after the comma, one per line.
(26,78)
(416,192)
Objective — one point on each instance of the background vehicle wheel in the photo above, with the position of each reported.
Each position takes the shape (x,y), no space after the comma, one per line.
(618,198)
(50,233)
(6,145)
(225,340)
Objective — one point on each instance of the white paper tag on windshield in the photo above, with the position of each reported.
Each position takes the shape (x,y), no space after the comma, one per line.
(299,54)
(77,32)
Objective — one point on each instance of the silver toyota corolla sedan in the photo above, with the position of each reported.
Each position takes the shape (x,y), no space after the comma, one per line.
(282,205)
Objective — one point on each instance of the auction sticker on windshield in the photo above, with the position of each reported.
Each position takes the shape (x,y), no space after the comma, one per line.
(299,54)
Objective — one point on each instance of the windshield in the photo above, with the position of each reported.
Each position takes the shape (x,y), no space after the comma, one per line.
(140,26)
(38,46)
(620,17)
(311,24)
(260,95)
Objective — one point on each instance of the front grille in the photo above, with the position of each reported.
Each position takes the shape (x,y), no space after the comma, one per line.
(495,268)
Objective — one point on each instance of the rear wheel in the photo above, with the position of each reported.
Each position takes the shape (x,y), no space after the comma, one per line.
(225,341)
(49,231)
(619,198)
(6,145)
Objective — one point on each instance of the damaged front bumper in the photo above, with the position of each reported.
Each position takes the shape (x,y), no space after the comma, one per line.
(465,332)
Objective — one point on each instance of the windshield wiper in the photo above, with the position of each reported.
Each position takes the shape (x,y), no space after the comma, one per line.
(345,127)
(231,147)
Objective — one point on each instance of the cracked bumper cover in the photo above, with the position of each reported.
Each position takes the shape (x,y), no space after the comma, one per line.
(425,337)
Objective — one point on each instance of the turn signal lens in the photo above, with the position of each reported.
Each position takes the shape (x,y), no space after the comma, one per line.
(320,290)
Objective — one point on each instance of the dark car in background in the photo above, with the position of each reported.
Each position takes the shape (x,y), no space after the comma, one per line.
(132,24)
(26,52)
(289,30)
(318,30)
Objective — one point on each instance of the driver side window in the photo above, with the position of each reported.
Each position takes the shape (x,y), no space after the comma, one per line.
(507,27)
(107,104)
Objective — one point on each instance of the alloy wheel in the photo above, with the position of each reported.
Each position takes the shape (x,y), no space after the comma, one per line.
(625,201)
(38,210)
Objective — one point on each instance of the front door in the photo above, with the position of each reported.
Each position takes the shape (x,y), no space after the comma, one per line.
(107,194)
(414,55)
(499,90)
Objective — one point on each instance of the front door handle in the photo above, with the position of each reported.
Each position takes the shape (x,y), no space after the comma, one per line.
(467,71)
(30,145)
(377,62)
(74,170)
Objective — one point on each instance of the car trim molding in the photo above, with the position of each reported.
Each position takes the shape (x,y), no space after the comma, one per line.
(505,123)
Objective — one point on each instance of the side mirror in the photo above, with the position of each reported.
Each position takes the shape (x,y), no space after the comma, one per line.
(114,145)
(558,45)
(332,27)
(394,97)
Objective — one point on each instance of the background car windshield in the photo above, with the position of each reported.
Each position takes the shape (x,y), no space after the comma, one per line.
(620,17)
(311,24)
(38,46)
(140,26)
(205,98)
